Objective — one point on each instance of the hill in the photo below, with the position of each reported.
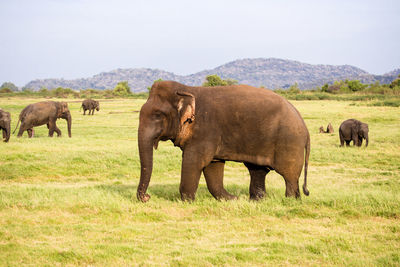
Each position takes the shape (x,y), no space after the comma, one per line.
(269,72)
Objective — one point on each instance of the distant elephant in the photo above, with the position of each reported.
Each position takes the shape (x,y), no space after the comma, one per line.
(5,124)
(329,129)
(353,130)
(91,105)
(212,125)
(46,112)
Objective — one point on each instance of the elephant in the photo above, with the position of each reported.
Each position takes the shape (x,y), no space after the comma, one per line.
(353,130)
(91,105)
(212,125)
(46,112)
(5,124)
(329,129)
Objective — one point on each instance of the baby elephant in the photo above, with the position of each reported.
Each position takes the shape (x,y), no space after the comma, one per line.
(353,130)
(5,124)
(329,129)
(91,105)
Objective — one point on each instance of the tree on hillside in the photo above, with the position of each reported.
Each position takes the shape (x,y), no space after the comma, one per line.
(122,88)
(215,80)
(9,85)
(395,82)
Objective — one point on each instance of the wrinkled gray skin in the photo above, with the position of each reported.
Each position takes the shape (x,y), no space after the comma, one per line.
(353,130)
(91,105)
(46,112)
(5,124)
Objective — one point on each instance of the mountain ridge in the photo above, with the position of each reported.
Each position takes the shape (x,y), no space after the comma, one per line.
(268,72)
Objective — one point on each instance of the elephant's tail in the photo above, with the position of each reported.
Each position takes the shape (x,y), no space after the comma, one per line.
(305,190)
(17,125)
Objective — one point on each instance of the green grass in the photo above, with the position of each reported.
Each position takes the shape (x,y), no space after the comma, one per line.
(73,201)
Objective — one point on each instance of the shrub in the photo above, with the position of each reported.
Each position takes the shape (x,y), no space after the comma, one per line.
(5,90)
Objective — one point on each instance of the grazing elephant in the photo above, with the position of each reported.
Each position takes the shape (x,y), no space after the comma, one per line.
(353,130)
(212,125)
(91,105)
(5,124)
(46,112)
(329,129)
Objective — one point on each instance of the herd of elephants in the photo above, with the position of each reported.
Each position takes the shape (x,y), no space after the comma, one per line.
(210,125)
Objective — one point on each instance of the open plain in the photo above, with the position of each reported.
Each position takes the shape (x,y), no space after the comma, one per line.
(72,201)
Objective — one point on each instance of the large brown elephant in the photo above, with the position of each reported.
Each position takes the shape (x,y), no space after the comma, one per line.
(212,125)
(353,130)
(46,112)
(5,124)
(91,105)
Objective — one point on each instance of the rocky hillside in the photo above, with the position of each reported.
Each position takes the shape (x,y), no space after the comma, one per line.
(269,72)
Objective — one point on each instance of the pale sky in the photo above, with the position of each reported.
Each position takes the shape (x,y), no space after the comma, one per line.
(80,38)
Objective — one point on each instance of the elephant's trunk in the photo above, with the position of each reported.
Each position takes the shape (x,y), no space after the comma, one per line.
(145,141)
(7,133)
(366,141)
(69,123)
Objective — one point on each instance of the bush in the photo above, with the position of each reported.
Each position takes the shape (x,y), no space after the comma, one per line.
(388,103)
(215,80)
(122,89)
(5,90)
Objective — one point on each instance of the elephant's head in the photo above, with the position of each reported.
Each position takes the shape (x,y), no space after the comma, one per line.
(5,124)
(64,113)
(321,130)
(363,133)
(168,114)
(97,105)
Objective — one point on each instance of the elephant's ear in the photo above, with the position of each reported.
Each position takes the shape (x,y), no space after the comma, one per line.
(64,107)
(356,128)
(186,107)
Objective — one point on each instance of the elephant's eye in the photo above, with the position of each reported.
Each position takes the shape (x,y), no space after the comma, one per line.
(157,115)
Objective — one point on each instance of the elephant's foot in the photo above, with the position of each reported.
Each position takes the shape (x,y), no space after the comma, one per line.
(187,197)
(292,190)
(224,195)
(257,195)
(228,197)
(143,197)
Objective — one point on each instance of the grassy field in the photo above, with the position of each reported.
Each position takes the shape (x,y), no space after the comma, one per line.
(72,201)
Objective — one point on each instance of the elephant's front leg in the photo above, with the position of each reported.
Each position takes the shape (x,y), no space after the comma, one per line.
(58,131)
(193,163)
(214,174)
(52,127)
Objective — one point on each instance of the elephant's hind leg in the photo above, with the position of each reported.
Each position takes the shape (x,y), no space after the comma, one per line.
(21,130)
(31,132)
(292,183)
(214,174)
(257,180)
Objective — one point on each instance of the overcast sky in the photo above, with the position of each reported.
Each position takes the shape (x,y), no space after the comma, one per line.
(80,38)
